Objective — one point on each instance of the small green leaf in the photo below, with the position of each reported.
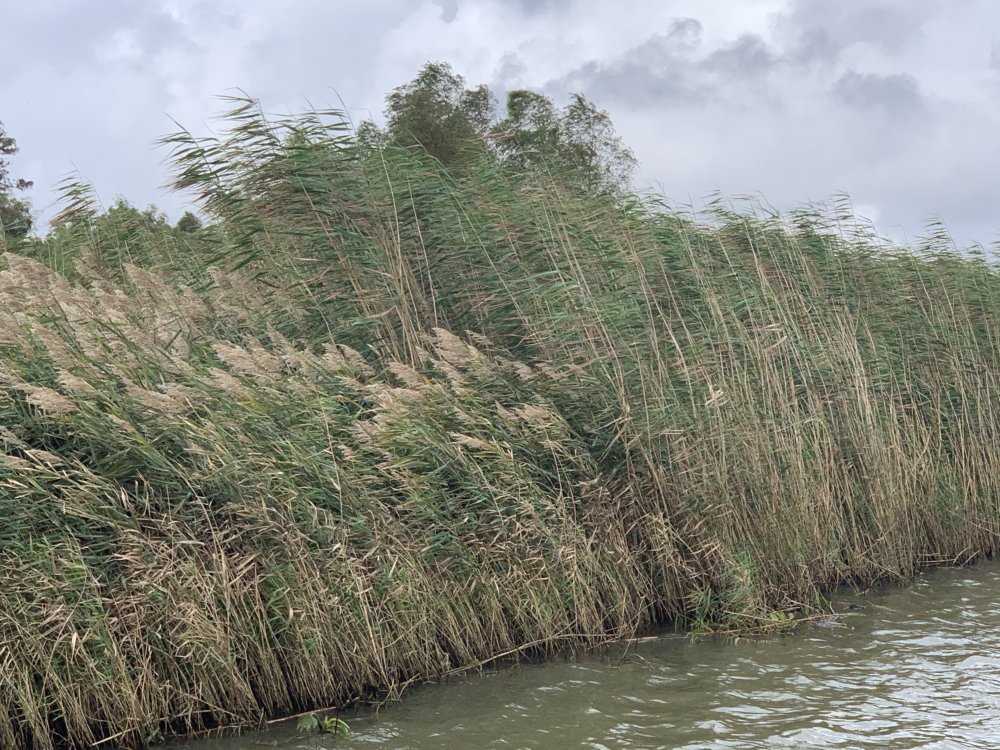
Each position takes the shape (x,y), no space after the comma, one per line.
(307,723)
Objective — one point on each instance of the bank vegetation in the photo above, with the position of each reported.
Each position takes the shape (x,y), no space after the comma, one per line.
(382,412)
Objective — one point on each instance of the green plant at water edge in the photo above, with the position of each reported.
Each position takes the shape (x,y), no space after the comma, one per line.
(155,737)
(311,723)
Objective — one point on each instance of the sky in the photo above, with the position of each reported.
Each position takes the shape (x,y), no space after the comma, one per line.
(895,103)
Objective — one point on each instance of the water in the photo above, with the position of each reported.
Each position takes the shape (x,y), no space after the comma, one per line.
(914,667)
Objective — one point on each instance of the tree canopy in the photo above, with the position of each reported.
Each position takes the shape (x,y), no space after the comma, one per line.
(437,111)
(579,140)
(15,214)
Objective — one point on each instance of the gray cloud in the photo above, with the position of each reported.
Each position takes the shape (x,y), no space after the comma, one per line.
(628,81)
(72,34)
(676,69)
(508,74)
(749,56)
(685,33)
(658,72)
(449,9)
(818,30)
(532,7)
(894,94)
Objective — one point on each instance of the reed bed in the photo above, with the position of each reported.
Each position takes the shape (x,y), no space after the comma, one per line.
(380,420)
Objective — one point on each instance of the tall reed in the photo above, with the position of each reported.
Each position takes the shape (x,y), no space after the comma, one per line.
(382,419)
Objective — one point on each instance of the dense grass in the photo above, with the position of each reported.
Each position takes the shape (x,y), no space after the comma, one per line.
(381,419)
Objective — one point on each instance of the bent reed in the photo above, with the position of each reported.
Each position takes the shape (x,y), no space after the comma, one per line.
(381,419)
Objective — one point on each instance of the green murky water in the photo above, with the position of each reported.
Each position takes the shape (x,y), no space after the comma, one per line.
(911,667)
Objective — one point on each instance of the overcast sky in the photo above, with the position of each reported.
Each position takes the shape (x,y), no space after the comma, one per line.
(894,102)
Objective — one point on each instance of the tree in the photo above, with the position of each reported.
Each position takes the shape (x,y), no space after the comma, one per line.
(579,141)
(15,214)
(452,122)
(188,223)
(594,148)
(437,111)
(529,132)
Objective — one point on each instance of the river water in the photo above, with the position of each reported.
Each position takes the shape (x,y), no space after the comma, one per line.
(913,667)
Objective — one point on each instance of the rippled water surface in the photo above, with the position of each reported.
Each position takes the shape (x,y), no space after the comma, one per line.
(911,667)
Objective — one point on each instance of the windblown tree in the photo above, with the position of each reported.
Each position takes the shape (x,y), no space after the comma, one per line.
(438,112)
(189,224)
(453,123)
(580,140)
(15,214)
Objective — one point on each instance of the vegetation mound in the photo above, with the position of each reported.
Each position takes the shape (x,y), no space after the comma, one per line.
(386,413)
